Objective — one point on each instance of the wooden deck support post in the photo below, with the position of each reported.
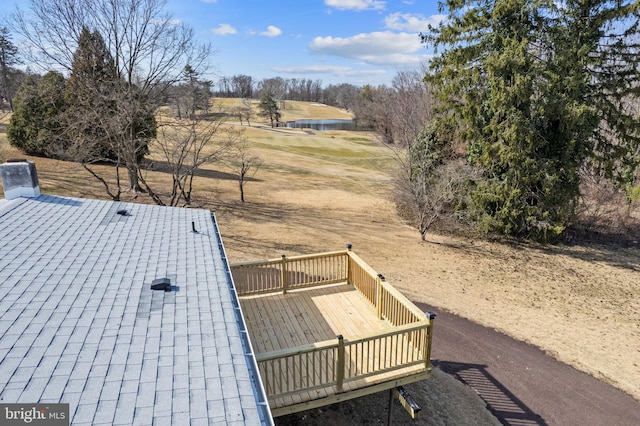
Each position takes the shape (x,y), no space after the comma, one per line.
(379,281)
(283,274)
(406,401)
(390,413)
(340,363)
(427,349)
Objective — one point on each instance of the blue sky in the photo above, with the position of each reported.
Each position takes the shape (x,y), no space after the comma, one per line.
(350,41)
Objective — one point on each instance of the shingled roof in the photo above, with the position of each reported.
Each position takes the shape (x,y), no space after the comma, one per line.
(80,324)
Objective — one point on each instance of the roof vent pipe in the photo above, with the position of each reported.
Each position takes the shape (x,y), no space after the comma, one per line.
(19,179)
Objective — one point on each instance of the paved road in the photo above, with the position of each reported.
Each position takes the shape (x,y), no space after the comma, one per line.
(521,384)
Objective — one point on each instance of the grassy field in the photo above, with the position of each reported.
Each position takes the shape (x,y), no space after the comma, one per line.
(317,191)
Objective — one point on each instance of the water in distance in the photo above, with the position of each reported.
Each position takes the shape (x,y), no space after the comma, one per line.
(320,124)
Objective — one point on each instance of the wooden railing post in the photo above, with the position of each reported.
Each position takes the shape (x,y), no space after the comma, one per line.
(340,363)
(379,281)
(283,274)
(349,264)
(427,350)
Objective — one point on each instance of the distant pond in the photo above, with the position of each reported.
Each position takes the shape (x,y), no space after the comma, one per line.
(321,124)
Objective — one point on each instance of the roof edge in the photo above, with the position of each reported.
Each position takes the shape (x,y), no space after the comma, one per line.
(260,393)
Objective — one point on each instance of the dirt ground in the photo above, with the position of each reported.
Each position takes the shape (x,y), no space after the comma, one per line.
(444,401)
(317,191)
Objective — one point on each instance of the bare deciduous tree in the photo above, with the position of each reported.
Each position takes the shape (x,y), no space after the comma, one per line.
(187,145)
(150,50)
(425,199)
(106,146)
(247,164)
(410,106)
(397,113)
(432,180)
(243,114)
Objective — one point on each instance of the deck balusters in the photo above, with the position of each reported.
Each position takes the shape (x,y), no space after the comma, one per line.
(337,363)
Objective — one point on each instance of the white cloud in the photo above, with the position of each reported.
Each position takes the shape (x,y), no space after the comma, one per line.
(327,69)
(313,69)
(209,1)
(356,4)
(272,31)
(224,29)
(355,73)
(397,60)
(379,48)
(414,23)
(175,22)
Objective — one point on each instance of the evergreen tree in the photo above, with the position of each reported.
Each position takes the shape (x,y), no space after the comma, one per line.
(35,125)
(269,107)
(8,58)
(93,72)
(149,49)
(195,92)
(533,86)
(90,95)
(108,119)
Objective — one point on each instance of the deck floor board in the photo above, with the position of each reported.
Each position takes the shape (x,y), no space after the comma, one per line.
(302,317)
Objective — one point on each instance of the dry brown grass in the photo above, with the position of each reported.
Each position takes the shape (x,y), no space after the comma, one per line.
(291,110)
(319,190)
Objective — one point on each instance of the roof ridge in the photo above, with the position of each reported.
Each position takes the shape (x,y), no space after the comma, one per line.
(7,205)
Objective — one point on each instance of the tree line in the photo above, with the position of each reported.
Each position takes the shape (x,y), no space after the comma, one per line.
(342,95)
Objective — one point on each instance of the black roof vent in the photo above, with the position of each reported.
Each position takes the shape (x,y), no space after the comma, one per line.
(161,284)
(123,212)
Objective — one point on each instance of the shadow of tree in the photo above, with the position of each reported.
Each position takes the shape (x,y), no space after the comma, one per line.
(620,257)
(164,167)
(295,216)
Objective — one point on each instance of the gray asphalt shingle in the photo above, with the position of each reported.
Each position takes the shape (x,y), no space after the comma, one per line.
(79,323)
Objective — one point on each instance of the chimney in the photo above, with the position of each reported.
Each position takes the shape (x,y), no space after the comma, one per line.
(19,179)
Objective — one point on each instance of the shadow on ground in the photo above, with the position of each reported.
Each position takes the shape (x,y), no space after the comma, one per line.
(621,257)
(165,167)
(503,404)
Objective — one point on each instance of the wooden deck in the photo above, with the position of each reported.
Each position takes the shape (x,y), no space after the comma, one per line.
(329,330)
(301,317)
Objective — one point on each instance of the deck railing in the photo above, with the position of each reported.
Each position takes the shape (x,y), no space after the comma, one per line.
(289,273)
(335,362)
(308,367)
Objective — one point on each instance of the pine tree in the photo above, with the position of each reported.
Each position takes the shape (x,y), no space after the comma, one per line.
(269,108)
(107,118)
(90,95)
(8,58)
(532,86)
(93,72)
